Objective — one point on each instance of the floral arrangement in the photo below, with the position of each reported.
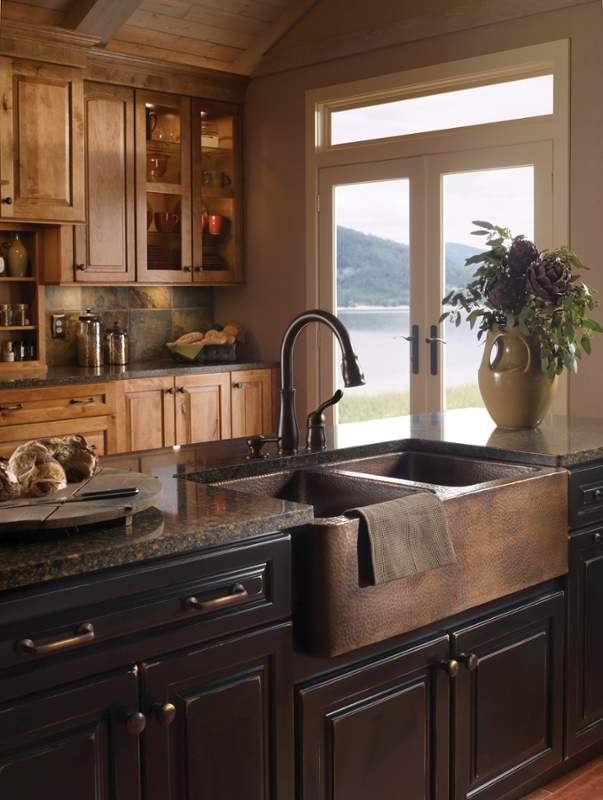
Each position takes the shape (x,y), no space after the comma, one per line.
(539,292)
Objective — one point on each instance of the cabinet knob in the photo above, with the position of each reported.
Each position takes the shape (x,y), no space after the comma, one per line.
(598,494)
(237,385)
(198,269)
(182,389)
(81,267)
(165,713)
(171,391)
(470,660)
(8,201)
(136,723)
(451,667)
(598,538)
(187,269)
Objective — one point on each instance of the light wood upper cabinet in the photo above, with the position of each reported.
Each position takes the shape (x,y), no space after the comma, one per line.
(105,248)
(41,142)
(202,408)
(147,407)
(163,194)
(251,399)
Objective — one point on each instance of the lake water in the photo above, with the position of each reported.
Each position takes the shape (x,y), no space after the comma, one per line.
(385,356)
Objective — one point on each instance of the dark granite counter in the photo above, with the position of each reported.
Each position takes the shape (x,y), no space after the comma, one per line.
(193,516)
(64,376)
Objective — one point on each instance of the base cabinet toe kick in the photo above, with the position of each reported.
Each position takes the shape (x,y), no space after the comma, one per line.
(183,679)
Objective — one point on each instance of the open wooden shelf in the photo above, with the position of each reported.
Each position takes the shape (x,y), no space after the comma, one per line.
(28,279)
(18,328)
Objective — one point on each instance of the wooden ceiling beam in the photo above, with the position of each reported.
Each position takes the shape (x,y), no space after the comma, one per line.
(102,18)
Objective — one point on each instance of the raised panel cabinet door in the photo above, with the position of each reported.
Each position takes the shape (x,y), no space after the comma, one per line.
(381,730)
(585,643)
(77,743)
(105,246)
(251,402)
(41,142)
(508,699)
(220,721)
(148,409)
(202,408)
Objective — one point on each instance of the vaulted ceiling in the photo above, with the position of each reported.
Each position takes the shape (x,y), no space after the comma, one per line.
(228,35)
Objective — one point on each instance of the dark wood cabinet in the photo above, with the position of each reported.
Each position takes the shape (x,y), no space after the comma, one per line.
(508,699)
(231,734)
(380,730)
(75,743)
(584,724)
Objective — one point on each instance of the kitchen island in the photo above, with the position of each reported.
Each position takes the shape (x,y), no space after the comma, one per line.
(193,681)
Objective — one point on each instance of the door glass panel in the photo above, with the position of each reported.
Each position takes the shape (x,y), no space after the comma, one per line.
(218,190)
(163,144)
(371,221)
(164,239)
(504,197)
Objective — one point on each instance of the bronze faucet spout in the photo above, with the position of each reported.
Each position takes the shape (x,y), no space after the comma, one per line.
(288,429)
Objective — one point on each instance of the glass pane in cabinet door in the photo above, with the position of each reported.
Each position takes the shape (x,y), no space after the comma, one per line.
(218,189)
(164,239)
(163,144)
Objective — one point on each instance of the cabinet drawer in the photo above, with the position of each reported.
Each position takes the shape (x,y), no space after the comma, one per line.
(48,404)
(99,433)
(586,496)
(215,595)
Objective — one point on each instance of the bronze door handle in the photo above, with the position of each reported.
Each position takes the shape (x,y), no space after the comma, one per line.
(11,407)
(414,349)
(84,634)
(433,340)
(237,594)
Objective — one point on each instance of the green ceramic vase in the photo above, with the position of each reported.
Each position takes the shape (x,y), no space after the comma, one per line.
(516,392)
(17,258)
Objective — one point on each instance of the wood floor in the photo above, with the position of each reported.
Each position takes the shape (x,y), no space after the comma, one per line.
(585,783)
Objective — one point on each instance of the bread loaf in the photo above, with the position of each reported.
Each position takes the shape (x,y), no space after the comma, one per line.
(9,485)
(47,476)
(74,455)
(23,461)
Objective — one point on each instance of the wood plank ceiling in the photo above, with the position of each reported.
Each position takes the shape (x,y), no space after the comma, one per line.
(227,35)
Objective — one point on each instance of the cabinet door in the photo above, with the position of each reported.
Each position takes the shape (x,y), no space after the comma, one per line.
(202,408)
(163,174)
(105,247)
(380,731)
(41,142)
(148,410)
(232,732)
(585,643)
(508,699)
(73,743)
(251,402)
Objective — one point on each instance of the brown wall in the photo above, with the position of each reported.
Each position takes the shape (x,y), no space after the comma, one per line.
(275,173)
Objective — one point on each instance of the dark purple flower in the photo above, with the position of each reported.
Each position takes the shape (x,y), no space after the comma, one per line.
(549,279)
(507,294)
(522,253)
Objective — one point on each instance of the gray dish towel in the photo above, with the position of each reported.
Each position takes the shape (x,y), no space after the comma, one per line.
(407,536)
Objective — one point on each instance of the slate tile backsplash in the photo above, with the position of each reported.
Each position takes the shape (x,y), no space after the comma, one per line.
(153,316)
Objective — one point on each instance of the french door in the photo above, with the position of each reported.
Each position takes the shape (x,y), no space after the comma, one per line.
(393,237)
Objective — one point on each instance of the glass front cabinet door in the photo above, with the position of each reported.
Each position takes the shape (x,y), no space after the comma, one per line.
(163,138)
(217,192)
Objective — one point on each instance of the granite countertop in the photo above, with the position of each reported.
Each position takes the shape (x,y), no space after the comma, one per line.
(193,516)
(64,376)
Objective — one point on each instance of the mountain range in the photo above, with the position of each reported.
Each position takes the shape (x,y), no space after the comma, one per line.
(373,271)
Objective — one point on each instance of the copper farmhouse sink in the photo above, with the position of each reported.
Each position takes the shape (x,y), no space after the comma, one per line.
(508,526)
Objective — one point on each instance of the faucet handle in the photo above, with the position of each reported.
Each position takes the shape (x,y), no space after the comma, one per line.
(256,445)
(315,436)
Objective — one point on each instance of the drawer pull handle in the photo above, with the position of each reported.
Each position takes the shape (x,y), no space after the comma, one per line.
(236,595)
(83,635)
(165,713)
(11,407)
(470,660)
(76,401)
(136,723)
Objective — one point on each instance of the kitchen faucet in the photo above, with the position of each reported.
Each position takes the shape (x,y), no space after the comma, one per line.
(288,429)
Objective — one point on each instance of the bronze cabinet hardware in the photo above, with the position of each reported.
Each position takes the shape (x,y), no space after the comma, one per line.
(81,267)
(182,389)
(8,201)
(198,269)
(237,385)
(76,401)
(469,660)
(256,445)
(84,634)
(598,538)
(165,713)
(451,667)
(171,391)
(136,723)
(11,407)
(433,340)
(187,269)
(414,348)
(236,595)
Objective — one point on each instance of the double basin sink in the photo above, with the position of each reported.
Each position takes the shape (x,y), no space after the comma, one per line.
(508,525)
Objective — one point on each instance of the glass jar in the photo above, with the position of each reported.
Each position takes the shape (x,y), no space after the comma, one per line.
(21,314)
(6,315)
(8,351)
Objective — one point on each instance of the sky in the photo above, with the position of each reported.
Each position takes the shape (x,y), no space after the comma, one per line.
(503,196)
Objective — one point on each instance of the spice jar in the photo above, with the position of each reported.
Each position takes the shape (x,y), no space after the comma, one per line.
(6,315)
(21,314)
(8,353)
